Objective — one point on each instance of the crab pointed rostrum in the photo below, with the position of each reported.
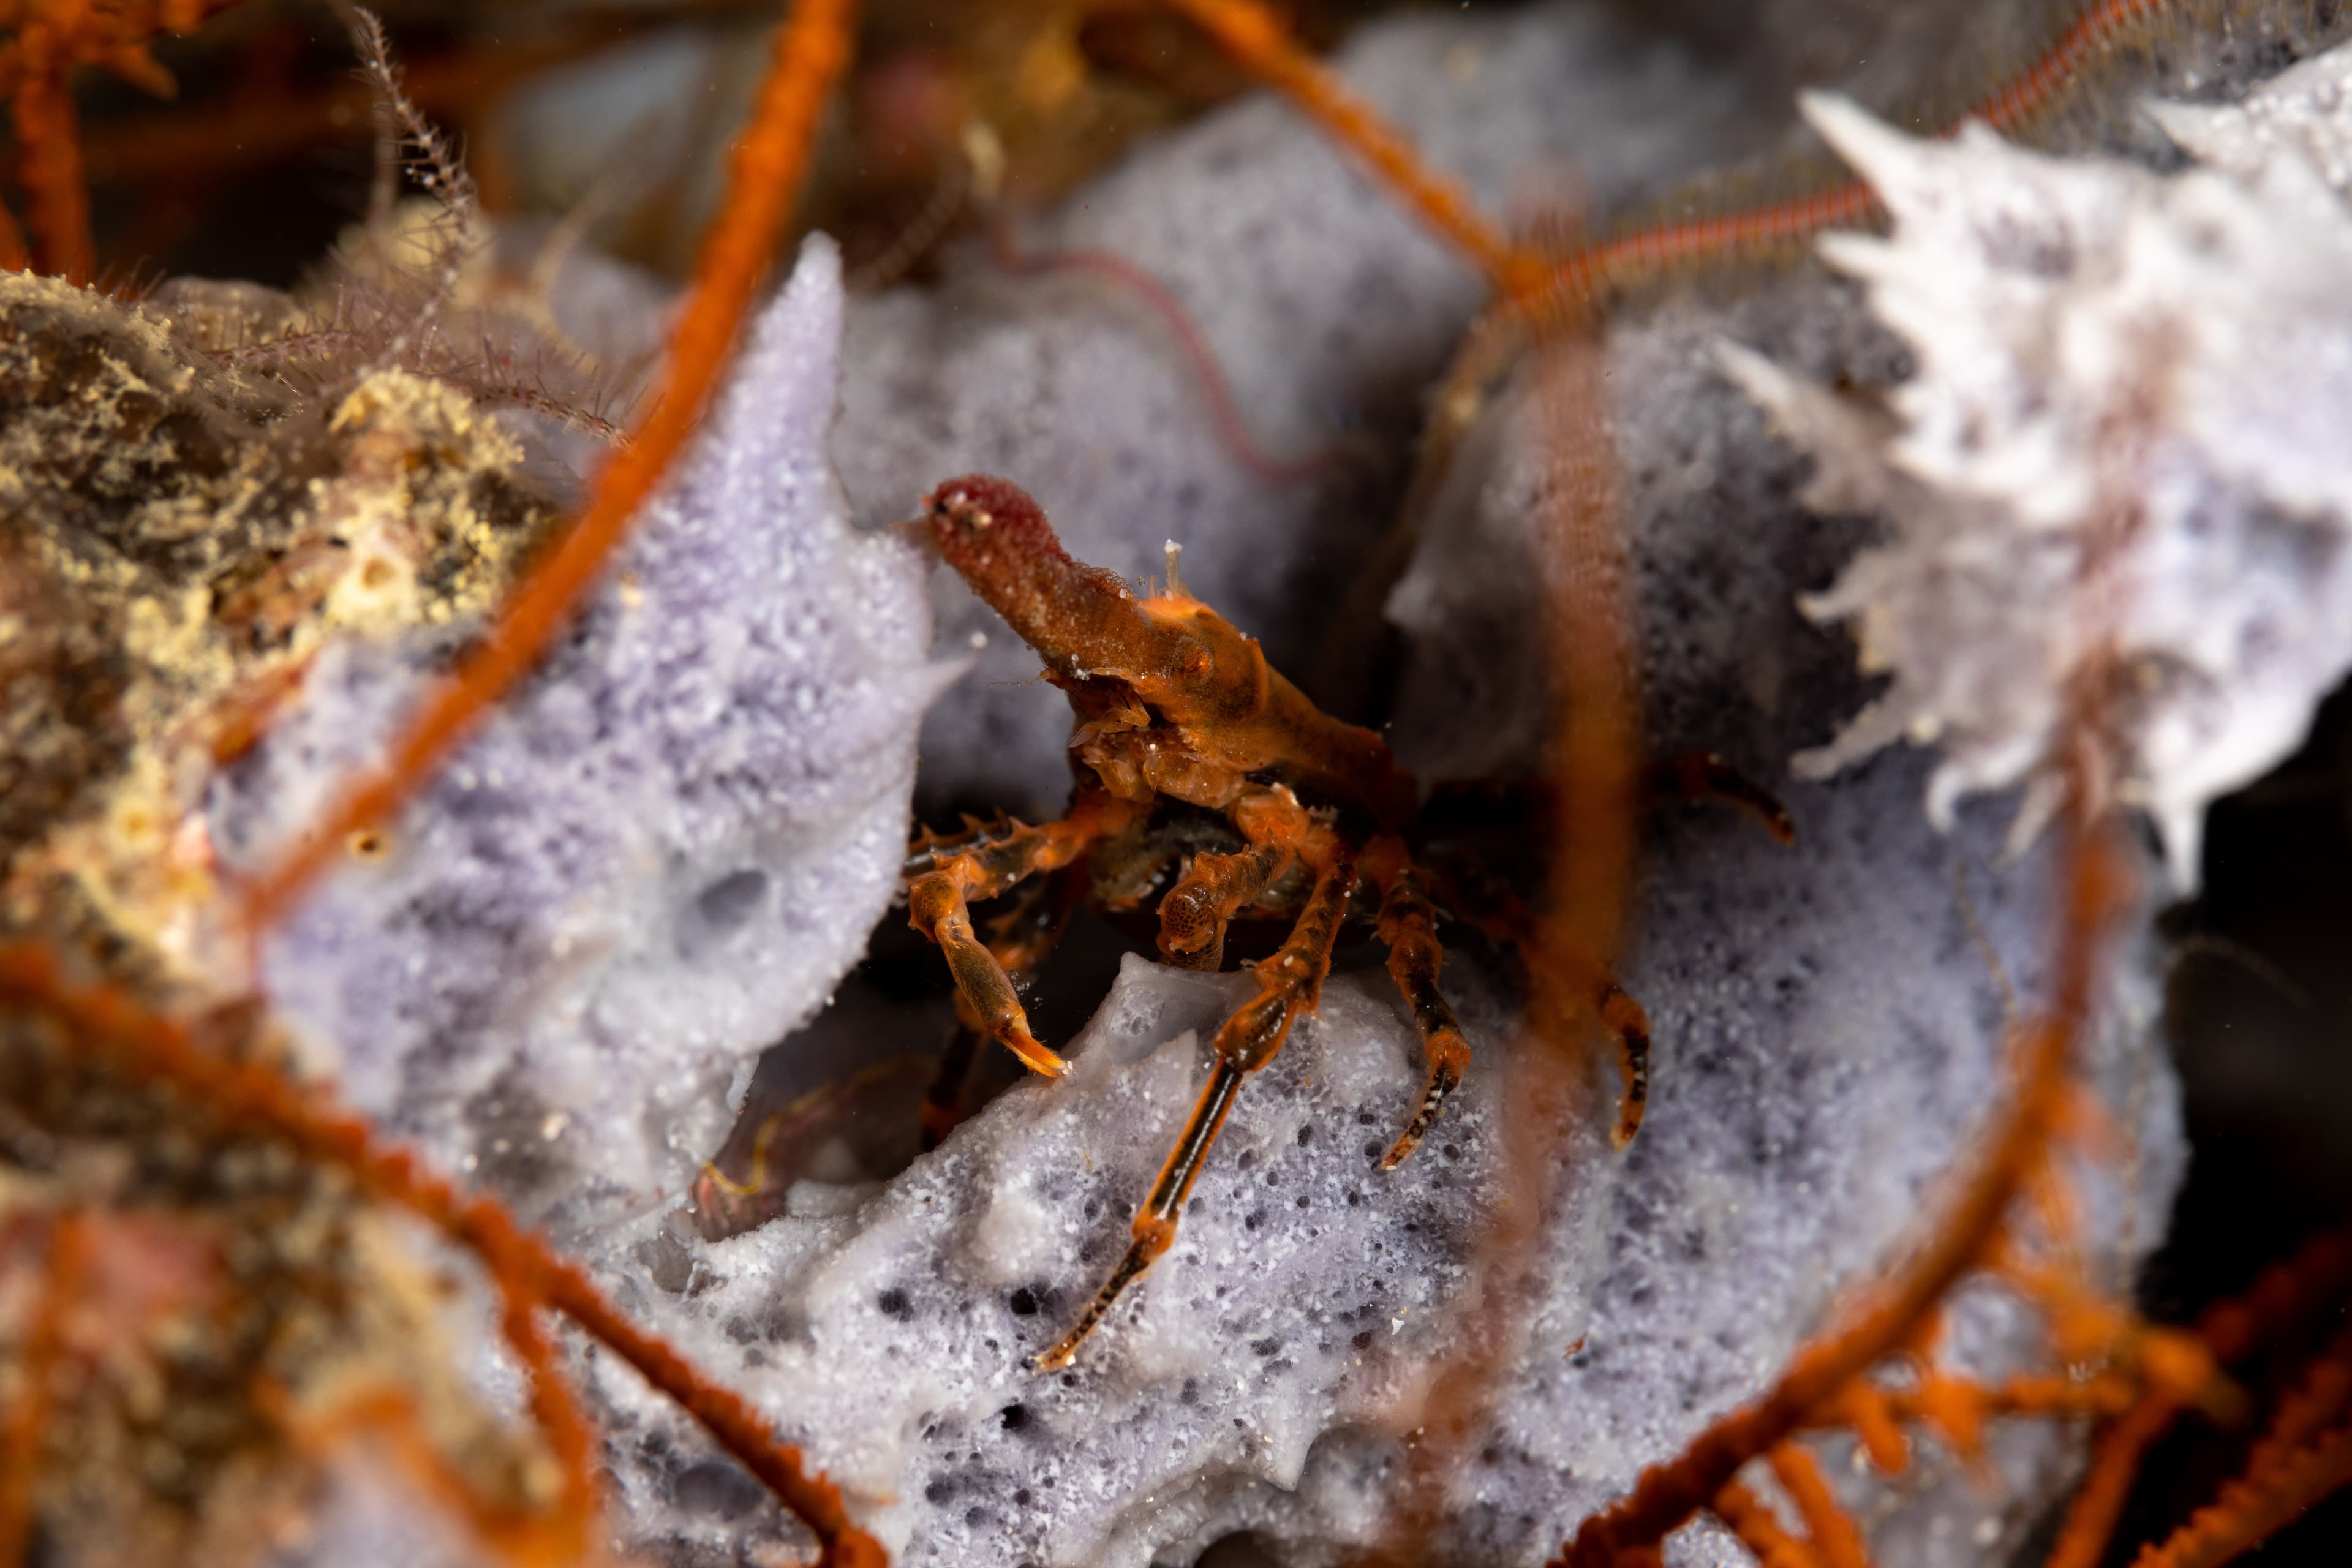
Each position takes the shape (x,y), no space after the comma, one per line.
(1187,664)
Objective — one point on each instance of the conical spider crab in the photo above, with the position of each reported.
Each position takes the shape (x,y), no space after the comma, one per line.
(1175,704)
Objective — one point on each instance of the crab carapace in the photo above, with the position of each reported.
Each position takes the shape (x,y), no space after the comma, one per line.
(1174,703)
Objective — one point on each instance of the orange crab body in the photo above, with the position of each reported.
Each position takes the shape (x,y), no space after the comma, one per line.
(1174,703)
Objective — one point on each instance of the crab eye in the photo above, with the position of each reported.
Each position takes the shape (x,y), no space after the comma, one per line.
(960,511)
(1192,661)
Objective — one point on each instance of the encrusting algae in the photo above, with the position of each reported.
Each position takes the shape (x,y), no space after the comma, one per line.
(186,534)
(202,1311)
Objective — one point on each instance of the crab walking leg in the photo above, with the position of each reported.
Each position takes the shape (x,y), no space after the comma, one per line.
(1018,940)
(1289,982)
(1630,1026)
(1706,775)
(1500,915)
(1409,925)
(1194,914)
(943,1108)
(939,905)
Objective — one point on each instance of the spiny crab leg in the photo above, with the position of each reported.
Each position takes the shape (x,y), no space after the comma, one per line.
(939,905)
(1502,917)
(1289,982)
(1408,924)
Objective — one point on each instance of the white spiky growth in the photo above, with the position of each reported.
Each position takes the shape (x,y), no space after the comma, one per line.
(2126,429)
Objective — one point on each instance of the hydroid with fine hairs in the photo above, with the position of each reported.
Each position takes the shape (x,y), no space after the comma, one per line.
(458,234)
(415,287)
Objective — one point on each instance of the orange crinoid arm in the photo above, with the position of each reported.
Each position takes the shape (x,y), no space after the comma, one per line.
(1258,40)
(1190,664)
(43,43)
(1255,39)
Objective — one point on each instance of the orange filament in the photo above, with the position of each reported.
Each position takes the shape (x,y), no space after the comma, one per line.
(1745,1515)
(27,1424)
(1836,1541)
(1260,45)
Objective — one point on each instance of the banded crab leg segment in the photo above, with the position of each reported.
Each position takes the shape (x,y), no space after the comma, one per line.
(939,905)
(1408,924)
(1289,982)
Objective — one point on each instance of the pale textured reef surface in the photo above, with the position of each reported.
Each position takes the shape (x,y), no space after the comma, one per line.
(659,856)
(2126,398)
